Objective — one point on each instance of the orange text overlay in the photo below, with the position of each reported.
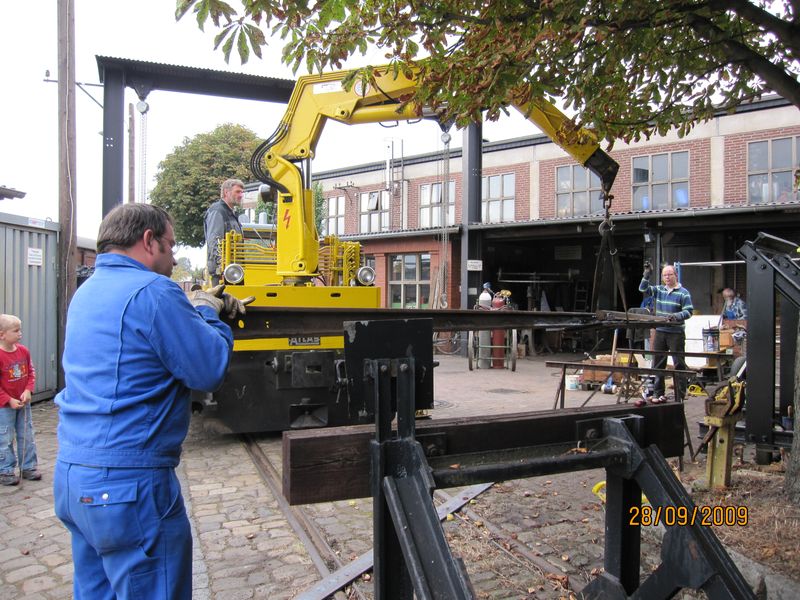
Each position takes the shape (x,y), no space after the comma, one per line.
(682,516)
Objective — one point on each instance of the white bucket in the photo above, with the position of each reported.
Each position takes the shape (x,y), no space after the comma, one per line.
(572,382)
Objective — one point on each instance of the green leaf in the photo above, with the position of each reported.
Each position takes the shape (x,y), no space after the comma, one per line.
(221,36)
(227,47)
(244,49)
(202,13)
(256,37)
(182,7)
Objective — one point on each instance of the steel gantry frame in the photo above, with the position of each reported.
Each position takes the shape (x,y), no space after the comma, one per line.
(771,274)
(412,557)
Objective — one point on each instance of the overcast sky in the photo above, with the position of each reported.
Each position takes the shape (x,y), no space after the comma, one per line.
(146,30)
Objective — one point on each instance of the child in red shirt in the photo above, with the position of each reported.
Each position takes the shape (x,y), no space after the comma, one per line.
(17,380)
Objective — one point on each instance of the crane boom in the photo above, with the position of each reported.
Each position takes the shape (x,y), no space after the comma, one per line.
(388,96)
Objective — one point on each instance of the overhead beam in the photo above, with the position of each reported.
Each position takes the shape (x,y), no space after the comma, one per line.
(147,76)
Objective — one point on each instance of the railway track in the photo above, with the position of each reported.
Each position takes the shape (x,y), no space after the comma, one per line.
(313,539)
(486,533)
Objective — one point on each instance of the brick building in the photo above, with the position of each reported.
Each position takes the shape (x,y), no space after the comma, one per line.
(692,199)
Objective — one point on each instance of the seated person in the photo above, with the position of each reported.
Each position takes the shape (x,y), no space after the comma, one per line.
(734,307)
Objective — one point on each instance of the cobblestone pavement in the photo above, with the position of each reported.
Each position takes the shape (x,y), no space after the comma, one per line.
(245,548)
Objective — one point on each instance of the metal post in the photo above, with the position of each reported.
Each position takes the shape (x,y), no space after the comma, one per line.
(392,580)
(471,212)
(113,136)
(760,354)
(789,322)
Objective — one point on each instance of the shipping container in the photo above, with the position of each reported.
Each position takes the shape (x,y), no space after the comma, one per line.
(28,289)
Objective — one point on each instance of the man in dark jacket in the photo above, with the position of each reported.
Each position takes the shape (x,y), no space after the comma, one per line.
(219,220)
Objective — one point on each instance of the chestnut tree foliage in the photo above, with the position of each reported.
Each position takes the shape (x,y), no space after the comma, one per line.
(189,178)
(627,68)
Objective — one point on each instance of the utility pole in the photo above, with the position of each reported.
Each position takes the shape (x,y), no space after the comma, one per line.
(67,189)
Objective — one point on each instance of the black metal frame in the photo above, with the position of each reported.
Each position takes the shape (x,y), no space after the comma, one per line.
(769,270)
(412,557)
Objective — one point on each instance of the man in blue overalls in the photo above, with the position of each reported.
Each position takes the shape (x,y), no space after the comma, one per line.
(135,345)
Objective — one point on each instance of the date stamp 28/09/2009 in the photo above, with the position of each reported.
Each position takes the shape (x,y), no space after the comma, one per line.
(681,516)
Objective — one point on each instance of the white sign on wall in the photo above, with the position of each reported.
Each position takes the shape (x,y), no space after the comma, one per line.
(35,257)
(474,265)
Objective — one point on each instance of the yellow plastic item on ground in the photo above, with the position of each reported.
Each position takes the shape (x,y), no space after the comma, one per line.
(599,490)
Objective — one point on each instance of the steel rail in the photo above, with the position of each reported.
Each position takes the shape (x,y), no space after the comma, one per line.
(303,526)
(513,544)
(274,322)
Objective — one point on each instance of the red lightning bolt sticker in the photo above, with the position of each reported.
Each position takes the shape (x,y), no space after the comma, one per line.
(286,218)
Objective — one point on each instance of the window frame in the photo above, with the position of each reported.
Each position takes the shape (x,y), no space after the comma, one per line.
(377,219)
(593,189)
(671,183)
(336,218)
(775,195)
(434,209)
(421,287)
(506,203)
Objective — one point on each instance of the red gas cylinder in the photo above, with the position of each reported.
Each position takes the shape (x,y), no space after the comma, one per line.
(498,336)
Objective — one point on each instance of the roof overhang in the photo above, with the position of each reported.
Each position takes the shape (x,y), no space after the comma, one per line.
(145,77)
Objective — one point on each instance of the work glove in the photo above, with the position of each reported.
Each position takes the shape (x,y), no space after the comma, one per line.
(232,306)
(648,270)
(224,304)
(202,298)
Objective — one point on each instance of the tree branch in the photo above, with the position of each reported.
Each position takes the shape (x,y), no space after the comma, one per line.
(775,77)
(788,33)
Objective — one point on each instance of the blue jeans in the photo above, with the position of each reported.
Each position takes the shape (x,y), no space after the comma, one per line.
(130,533)
(16,423)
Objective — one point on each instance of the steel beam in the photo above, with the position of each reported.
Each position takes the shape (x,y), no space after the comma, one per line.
(276,322)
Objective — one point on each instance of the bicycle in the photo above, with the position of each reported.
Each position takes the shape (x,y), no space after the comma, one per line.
(447,342)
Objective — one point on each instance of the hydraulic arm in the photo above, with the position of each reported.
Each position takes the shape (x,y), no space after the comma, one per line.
(387,97)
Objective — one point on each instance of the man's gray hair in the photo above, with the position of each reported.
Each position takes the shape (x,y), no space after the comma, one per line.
(228,184)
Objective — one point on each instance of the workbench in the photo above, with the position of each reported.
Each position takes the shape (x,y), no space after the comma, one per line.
(714,360)
(627,370)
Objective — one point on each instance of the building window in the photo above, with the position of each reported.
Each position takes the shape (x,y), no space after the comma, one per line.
(333,221)
(770,164)
(374,212)
(497,196)
(661,181)
(577,192)
(409,280)
(432,204)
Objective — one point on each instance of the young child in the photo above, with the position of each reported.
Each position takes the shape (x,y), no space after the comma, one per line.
(17,379)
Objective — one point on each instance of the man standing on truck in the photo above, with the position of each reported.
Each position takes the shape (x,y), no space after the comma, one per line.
(135,345)
(219,220)
(673,301)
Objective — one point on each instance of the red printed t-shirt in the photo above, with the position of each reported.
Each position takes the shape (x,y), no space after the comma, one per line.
(16,374)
